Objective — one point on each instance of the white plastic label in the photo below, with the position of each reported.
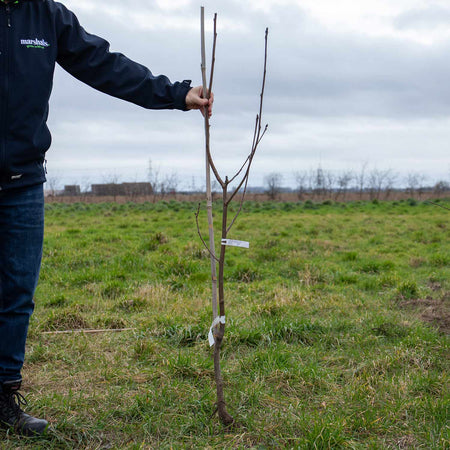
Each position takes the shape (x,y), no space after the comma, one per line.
(234,243)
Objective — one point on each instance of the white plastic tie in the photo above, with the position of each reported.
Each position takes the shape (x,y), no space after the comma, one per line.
(216,321)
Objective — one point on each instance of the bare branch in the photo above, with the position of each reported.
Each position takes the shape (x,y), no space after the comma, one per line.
(437,204)
(241,169)
(88,331)
(244,178)
(252,153)
(264,77)
(203,51)
(240,205)
(263,133)
(257,137)
(213,57)
(201,237)
(255,132)
(206,94)
(252,150)
(247,172)
(213,167)
(259,116)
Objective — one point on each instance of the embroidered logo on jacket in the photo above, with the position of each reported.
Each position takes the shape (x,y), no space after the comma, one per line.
(35,43)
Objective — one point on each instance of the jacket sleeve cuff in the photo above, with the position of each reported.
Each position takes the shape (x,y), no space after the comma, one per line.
(181,90)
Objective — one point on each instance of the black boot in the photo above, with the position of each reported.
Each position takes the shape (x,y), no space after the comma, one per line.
(11,414)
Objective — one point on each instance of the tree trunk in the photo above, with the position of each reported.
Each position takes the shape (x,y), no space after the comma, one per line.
(224,416)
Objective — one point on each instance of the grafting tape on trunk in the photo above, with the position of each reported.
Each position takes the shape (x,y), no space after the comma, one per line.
(216,321)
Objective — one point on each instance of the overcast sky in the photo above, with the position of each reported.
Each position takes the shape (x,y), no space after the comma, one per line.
(348,83)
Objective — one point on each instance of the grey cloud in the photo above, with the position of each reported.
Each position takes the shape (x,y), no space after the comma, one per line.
(423,19)
(311,71)
(337,74)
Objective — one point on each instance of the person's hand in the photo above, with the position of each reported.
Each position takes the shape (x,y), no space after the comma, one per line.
(195,100)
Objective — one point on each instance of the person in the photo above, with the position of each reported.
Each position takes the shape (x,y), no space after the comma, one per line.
(34,35)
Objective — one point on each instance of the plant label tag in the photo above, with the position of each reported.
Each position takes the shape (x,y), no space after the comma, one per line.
(234,243)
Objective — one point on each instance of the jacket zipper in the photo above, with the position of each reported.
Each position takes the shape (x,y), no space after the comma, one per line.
(6,55)
(8,15)
(3,111)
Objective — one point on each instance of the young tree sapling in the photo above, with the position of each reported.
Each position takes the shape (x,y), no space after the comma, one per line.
(228,194)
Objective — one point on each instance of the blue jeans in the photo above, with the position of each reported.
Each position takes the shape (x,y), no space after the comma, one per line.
(21,237)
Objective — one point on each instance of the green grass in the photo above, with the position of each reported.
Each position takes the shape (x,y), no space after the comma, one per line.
(336,335)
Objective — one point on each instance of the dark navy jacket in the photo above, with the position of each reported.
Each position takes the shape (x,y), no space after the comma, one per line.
(34,35)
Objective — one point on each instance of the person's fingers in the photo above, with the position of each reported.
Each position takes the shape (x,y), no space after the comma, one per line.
(195,100)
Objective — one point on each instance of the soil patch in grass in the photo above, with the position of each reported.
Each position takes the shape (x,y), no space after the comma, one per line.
(431,310)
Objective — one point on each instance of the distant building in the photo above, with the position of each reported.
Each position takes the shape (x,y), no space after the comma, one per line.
(71,189)
(106,189)
(129,189)
(136,189)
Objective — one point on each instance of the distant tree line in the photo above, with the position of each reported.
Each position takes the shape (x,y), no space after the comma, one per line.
(380,184)
(314,184)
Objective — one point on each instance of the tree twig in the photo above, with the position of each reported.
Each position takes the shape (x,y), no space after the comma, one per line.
(213,57)
(241,203)
(241,169)
(201,237)
(206,94)
(437,204)
(88,331)
(257,136)
(263,133)
(263,80)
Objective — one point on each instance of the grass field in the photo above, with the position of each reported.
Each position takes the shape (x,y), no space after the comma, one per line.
(337,328)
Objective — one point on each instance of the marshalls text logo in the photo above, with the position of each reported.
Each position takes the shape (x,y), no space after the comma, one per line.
(34,43)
